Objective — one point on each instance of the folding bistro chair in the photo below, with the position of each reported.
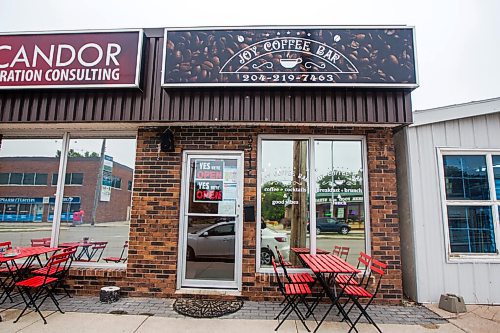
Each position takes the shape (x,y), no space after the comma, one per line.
(6,279)
(356,292)
(97,249)
(60,271)
(344,252)
(363,262)
(36,242)
(294,294)
(294,277)
(42,286)
(336,250)
(118,259)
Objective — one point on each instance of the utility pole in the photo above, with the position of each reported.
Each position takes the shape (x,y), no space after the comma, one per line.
(97,192)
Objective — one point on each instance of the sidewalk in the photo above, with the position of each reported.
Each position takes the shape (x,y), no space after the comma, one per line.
(91,323)
(87,314)
(145,315)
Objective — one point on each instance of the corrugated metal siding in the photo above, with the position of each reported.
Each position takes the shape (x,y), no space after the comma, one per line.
(155,104)
(478,281)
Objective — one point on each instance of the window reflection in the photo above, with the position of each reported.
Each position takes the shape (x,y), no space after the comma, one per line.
(96,210)
(284,197)
(340,213)
(26,197)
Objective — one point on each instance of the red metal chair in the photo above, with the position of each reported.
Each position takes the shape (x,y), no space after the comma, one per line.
(42,285)
(118,259)
(294,294)
(357,292)
(363,262)
(97,249)
(344,252)
(61,271)
(6,280)
(294,277)
(336,250)
(36,242)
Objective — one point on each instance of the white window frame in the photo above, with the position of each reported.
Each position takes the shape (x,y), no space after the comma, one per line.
(493,202)
(65,138)
(312,195)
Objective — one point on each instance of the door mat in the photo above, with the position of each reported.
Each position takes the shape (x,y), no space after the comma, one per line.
(204,308)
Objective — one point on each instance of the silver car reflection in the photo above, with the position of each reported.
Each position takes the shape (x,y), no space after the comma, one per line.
(217,241)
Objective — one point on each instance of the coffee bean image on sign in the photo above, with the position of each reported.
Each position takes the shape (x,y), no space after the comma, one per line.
(295,56)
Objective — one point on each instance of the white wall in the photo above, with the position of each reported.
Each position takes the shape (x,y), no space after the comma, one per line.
(479,281)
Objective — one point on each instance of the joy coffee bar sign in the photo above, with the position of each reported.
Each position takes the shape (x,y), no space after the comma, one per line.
(71,60)
(358,56)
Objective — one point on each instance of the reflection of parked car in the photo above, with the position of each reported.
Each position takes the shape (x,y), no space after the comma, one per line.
(270,239)
(217,241)
(214,241)
(330,224)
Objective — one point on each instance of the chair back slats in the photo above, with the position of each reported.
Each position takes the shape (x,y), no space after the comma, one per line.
(378,267)
(336,250)
(344,252)
(282,264)
(36,242)
(364,259)
(280,284)
(7,245)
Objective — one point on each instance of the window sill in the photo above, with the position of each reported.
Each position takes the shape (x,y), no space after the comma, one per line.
(471,258)
(84,265)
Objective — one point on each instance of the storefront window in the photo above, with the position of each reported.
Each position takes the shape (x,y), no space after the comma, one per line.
(284,198)
(95,211)
(285,194)
(340,213)
(470,202)
(26,198)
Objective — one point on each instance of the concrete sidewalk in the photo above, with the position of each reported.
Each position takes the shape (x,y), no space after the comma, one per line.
(144,315)
(478,318)
(76,322)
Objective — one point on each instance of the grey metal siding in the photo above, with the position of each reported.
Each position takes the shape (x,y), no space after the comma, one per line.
(478,281)
(154,104)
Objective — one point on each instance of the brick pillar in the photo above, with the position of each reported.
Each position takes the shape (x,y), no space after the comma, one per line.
(384,218)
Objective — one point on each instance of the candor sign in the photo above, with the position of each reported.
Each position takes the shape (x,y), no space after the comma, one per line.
(382,56)
(71,60)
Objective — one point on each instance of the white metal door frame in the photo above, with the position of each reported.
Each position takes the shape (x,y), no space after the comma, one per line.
(183,216)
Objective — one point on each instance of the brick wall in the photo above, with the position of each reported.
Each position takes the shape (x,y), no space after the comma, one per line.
(151,269)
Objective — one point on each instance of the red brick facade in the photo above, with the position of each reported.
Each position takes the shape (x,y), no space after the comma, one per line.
(152,265)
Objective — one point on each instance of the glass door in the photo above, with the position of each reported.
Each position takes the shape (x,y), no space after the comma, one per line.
(211,222)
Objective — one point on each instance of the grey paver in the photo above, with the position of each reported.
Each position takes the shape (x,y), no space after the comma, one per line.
(382,314)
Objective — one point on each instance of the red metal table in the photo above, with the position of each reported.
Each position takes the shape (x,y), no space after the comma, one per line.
(306,250)
(323,264)
(84,249)
(15,272)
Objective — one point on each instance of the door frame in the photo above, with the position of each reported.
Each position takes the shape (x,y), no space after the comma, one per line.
(184,199)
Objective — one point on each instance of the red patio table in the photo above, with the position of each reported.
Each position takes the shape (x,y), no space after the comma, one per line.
(15,272)
(306,250)
(323,264)
(84,249)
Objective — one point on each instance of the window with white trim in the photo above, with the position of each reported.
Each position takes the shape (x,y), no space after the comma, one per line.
(312,194)
(91,203)
(471,197)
